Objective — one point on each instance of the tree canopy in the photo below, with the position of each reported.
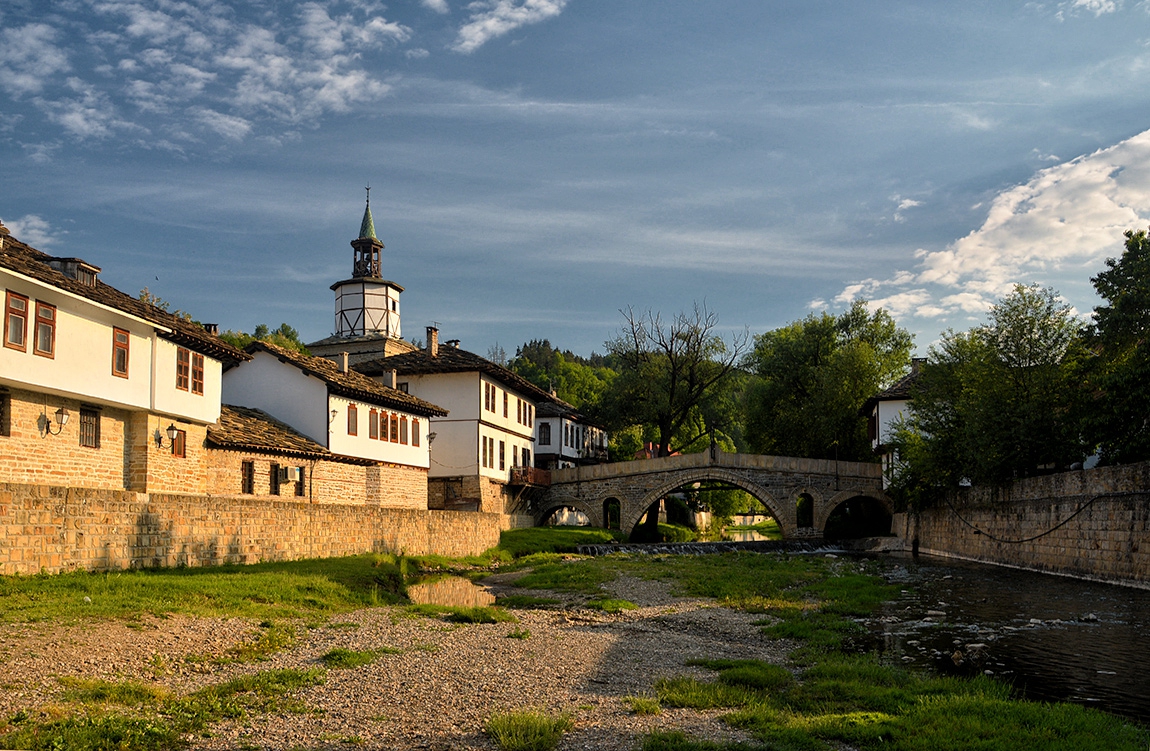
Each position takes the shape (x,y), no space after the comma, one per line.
(811,378)
(285,336)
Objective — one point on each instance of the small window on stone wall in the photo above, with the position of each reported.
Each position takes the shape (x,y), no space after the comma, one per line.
(180,444)
(5,413)
(247,478)
(299,484)
(274,479)
(89,428)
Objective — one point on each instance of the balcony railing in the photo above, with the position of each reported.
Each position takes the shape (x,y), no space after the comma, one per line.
(530,476)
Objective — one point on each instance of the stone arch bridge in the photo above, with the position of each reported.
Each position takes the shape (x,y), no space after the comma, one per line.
(776,481)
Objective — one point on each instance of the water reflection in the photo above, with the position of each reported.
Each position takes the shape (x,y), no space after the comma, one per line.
(450,590)
(745,535)
(1053,638)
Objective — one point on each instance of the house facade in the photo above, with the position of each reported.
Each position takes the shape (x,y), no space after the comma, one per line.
(99,389)
(350,417)
(565,438)
(883,412)
(483,452)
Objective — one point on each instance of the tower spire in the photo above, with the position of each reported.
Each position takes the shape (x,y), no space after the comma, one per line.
(367,226)
(367,262)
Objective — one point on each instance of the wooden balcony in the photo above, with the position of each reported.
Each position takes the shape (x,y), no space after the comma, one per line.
(530,477)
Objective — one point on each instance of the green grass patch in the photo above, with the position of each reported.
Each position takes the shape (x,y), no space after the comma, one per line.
(527,731)
(753,674)
(124,693)
(643,705)
(349,658)
(675,740)
(689,692)
(612,606)
(518,633)
(94,733)
(522,542)
(582,575)
(272,638)
(458,614)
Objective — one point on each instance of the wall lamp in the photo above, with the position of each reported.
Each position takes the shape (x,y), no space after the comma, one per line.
(430,438)
(171,432)
(45,424)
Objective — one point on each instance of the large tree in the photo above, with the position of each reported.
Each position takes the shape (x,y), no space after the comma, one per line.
(812,377)
(575,379)
(671,375)
(1002,400)
(1119,421)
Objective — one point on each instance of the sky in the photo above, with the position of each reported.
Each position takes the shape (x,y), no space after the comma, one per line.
(538,166)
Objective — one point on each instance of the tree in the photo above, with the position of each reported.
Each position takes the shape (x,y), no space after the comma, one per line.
(1119,420)
(285,336)
(1001,400)
(575,379)
(812,378)
(670,374)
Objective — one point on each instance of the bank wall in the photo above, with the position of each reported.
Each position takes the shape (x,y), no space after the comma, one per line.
(1093,524)
(62,529)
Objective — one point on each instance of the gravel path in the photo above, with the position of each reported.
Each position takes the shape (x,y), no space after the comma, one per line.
(441,687)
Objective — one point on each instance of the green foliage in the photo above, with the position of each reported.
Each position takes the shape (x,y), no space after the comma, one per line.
(672,376)
(285,336)
(1002,400)
(519,633)
(146,296)
(608,605)
(1121,372)
(675,740)
(526,602)
(664,533)
(521,542)
(459,614)
(755,674)
(586,576)
(341,657)
(812,378)
(271,639)
(527,731)
(96,691)
(94,733)
(578,381)
(691,693)
(643,705)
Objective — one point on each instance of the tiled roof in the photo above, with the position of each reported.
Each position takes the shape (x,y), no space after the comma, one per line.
(454,360)
(350,384)
(247,429)
(26,260)
(900,391)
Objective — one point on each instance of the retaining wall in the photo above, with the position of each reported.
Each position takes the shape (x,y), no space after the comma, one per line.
(58,529)
(1092,524)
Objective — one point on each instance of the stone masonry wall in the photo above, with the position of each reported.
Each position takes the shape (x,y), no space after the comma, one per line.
(58,529)
(1104,515)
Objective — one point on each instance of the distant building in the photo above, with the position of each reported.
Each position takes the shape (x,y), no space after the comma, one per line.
(884,411)
(97,388)
(565,438)
(367,312)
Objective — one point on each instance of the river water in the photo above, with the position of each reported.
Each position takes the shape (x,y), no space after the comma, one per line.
(1053,638)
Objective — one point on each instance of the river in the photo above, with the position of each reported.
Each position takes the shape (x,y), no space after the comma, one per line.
(1052,637)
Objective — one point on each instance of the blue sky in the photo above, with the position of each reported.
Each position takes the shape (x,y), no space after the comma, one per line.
(537,165)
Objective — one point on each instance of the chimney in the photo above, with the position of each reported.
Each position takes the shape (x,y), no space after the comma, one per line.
(389,378)
(342,362)
(432,341)
(3,234)
(212,328)
(916,364)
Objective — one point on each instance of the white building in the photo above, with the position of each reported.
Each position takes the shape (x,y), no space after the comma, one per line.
(484,448)
(97,388)
(883,413)
(565,438)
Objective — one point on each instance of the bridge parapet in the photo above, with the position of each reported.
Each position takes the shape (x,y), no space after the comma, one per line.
(663,464)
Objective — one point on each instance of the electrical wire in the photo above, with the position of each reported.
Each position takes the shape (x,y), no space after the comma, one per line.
(1060,524)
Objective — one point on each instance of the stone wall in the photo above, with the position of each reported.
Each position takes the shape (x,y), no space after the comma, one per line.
(1093,524)
(58,529)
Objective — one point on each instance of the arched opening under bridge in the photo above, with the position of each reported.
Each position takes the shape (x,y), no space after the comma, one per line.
(566,516)
(858,516)
(706,507)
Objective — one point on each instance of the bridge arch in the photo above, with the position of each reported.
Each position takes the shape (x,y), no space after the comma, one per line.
(824,512)
(632,512)
(592,510)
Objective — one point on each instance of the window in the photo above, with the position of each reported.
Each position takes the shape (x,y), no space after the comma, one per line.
(402,386)
(414,432)
(89,428)
(395,428)
(352,420)
(120,353)
(247,477)
(526,457)
(373,425)
(502,448)
(403,430)
(299,484)
(486,396)
(518,410)
(180,444)
(15,321)
(530,415)
(44,342)
(505,400)
(5,412)
(183,368)
(197,373)
(545,434)
(274,479)
(483,458)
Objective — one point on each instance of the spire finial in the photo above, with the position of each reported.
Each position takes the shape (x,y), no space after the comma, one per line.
(367,226)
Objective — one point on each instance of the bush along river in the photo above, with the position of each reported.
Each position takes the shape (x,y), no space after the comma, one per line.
(1053,638)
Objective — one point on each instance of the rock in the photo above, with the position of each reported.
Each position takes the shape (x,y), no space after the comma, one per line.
(935,614)
(1090,618)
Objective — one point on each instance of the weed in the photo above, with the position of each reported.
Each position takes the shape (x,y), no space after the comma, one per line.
(455,614)
(125,693)
(518,633)
(643,705)
(527,731)
(684,691)
(527,602)
(611,606)
(271,639)
(523,542)
(348,658)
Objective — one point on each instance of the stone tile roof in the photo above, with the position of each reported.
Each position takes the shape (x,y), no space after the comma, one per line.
(900,391)
(454,360)
(247,429)
(26,260)
(350,384)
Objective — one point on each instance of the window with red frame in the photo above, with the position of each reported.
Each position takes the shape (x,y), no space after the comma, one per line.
(352,420)
(403,430)
(16,321)
(373,425)
(414,432)
(395,428)
(120,341)
(183,368)
(44,339)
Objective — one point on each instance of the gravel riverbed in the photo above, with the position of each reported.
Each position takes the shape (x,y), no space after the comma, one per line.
(437,691)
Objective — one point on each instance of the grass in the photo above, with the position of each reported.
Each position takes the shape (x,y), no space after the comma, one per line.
(519,633)
(643,705)
(271,639)
(527,602)
(527,731)
(608,605)
(458,614)
(349,658)
(522,542)
(768,528)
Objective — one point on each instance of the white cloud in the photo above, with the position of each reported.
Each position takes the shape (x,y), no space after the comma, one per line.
(903,205)
(29,56)
(417,53)
(230,127)
(88,113)
(1054,229)
(33,230)
(494,18)
(439,6)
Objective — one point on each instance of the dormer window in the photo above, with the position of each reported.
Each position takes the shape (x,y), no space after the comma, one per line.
(75,268)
